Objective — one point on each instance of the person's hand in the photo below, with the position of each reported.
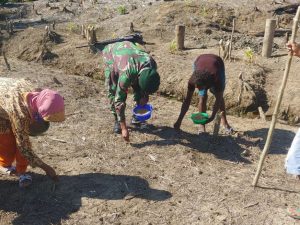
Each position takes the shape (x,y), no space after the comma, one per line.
(293,48)
(125,134)
(49,171)
(177,125)
(124,131)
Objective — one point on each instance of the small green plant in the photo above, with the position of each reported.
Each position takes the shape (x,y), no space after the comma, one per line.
(249,54)
(121,10)
(72,27)
(188,3)
(203,11)
(173,47)
(114,35)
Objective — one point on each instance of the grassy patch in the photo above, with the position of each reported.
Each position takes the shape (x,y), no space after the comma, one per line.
(173,47)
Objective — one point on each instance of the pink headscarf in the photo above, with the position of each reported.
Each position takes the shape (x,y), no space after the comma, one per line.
(48,104)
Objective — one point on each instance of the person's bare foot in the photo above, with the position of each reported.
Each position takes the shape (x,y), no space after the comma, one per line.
(229,130)
(10,170)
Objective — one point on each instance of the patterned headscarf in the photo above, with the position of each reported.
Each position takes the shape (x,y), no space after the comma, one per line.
(47,104)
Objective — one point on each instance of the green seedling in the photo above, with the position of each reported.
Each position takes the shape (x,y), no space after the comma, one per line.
(173,47)
(203,11)
(72,27)
(121,10)
(249,54)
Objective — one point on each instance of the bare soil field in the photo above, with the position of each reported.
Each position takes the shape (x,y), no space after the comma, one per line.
(161,176)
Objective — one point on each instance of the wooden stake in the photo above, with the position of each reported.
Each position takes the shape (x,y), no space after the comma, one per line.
(92,39)
(242,88)
(287,37)
(6,24)
(226,49)
(231,37)
(268,38)
(179,36)
(5,59)
(279,99)
(47,29)
(221,47)
(131,27)
(83,32)
(262,114)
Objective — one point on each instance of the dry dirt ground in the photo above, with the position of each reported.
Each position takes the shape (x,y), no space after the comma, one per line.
(161,176)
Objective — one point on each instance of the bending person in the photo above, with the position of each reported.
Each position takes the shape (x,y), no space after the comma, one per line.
(128,65)
(209,73)
(292,163)
(25,112)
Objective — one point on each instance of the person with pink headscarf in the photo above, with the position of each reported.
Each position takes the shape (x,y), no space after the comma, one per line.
(24,112)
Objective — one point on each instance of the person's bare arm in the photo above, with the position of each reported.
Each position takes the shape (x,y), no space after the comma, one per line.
(217,105)
(19,125)
(184,108)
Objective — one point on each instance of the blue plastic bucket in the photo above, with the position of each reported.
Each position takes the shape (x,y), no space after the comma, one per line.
(145,115)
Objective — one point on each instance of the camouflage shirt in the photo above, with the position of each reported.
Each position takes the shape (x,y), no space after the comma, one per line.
(14,115)
(124,61)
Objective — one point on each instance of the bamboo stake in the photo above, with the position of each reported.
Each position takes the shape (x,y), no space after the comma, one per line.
(231,37)
(281,91)
(262,114)
(5,59)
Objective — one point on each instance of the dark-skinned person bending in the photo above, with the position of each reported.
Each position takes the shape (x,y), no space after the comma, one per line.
(209,73)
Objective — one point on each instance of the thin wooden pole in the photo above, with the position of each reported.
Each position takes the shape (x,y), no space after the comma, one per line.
(231,37)
(262,114)
(281,91)
(268,38)
(179,33)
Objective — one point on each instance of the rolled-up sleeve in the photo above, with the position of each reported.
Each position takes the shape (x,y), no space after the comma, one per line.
(121,96)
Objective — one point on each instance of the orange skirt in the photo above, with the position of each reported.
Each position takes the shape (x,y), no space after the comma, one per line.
(9,153)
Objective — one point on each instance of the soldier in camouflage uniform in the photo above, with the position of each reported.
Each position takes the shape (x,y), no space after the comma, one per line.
(127,64)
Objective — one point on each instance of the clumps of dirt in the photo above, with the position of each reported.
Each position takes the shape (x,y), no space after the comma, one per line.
(34,45)
(245,93)
(53,37)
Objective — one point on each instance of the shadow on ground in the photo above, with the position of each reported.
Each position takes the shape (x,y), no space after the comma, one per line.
(41,204)
(281,141)
(223,147)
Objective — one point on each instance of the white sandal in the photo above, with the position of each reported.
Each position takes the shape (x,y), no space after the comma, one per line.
(10,170)
(229,131)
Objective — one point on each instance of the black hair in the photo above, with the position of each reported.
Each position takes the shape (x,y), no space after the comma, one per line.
(204,77)
(37,128)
